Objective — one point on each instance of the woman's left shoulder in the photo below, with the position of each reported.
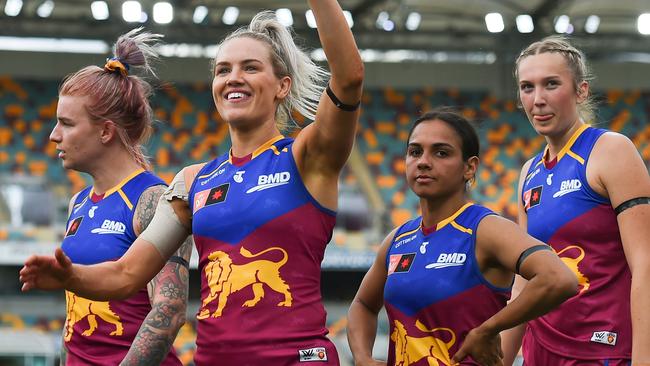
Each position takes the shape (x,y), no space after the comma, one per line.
(616,166)
(613,140)
(612,147)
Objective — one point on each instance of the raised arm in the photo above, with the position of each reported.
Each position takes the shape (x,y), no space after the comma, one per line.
(118,279)
(511,338)
(167,294)
(362,316)
(550,282)
(324,146)
(618,167)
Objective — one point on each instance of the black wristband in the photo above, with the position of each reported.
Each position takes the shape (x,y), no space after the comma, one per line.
(528,252)
(631,203)
(179,260)
(340,105)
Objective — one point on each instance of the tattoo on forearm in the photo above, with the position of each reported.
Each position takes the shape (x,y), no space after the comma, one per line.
(146,207)
(169,303)
(149,348)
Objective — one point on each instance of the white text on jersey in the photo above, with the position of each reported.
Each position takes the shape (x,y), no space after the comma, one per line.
(110,227)
(448,260)
(568,186)
(266,181)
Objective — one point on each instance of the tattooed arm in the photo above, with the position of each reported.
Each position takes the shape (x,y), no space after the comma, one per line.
(167,293)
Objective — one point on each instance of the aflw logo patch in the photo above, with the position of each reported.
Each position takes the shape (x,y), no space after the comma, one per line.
(448,260)
(110,227)
(604,337)
(74,226)
(568,186)
(532,197)
(313,354)
(400,262)
(211,196)
(266,181)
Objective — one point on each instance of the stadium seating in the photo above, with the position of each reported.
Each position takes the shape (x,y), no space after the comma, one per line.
(188,130)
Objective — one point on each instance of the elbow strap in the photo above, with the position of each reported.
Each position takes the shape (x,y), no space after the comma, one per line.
(529,251)
(165,230)
(340,105)
(179,260)
(631,203)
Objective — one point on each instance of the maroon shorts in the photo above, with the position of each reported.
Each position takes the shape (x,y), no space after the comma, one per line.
(535,355)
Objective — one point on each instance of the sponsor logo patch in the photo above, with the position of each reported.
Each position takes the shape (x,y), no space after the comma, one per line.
(532,175)
(211,196)
(604,337)
(448,260)
(315,354)
(568,186)
(400,262)
(238,177)
(266,181)
(91,212)
(110,227)
(79,206)
(74,226)
(532,197)
(212,175)
(405,240)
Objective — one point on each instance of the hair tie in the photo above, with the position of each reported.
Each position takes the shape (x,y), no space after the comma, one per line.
(113,64)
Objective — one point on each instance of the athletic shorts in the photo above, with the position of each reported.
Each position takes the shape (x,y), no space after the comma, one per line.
(534,355)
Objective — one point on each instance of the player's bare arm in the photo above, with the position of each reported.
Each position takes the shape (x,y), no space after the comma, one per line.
(167,293)
(619,173)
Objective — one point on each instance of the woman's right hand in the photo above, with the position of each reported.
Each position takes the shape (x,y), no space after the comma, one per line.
(46,272)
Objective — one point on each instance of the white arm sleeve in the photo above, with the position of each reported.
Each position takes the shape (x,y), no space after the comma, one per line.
(165,230)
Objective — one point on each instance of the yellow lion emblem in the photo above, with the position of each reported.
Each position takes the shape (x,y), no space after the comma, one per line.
(79,308)
(409,350)
(225,278)
(572,263)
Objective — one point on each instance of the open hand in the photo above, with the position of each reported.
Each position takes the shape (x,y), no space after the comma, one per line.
(46,272)
(484,347)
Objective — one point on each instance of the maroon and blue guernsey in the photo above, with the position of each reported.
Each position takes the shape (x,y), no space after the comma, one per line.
(435,292)
(261,238)
(100,229)
(580,225)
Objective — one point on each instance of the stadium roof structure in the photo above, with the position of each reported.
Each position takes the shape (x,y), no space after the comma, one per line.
(429,25)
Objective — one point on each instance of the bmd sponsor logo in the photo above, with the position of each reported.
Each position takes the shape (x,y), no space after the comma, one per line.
(448,260)
(266,181)
(568,186)
(110,227)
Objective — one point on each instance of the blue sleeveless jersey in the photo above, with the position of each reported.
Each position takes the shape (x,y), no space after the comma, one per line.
(261,238)
(580,225)
(435,292)
(101,332)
